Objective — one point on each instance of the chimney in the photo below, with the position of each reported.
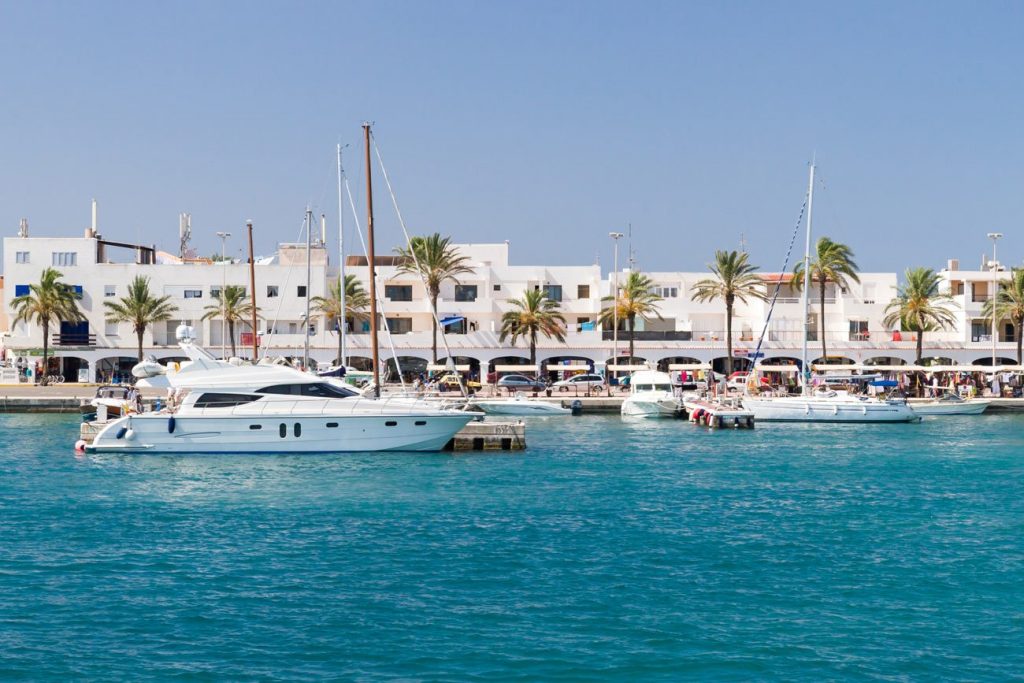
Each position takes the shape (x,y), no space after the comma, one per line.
(323,230)
(953,264)
(94,215)
(23,228)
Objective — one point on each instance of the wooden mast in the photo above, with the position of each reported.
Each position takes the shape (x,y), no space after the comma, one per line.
(371,261)
(252,294)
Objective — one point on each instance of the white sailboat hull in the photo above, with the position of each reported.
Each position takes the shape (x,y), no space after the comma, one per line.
(291,433)
(839,409)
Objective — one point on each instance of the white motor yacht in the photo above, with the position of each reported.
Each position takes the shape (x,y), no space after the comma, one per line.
(651,395)
(225,408)
(518,406)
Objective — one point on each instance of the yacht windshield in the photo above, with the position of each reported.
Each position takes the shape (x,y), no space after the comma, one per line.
(314,389)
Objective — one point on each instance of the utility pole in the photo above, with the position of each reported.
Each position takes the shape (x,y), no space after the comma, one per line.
(994,236)
(252,295)
(615,300)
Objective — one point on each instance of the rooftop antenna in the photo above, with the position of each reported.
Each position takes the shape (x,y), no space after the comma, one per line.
(632,254)
(743,243)
(23,228)
(184,234)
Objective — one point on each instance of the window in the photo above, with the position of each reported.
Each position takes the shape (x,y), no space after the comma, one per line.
(400,325)
(65,258)
(213,400)
(110,329)
(859,330)
(193,294)
(312,329)
(582,291)
(301,292)
(109,290)
(497,288)
(465,292)
(21,257)
(271,291)
(553,292)
(215,292)
(666,292)
(21,290)
(398,292)
(315,389)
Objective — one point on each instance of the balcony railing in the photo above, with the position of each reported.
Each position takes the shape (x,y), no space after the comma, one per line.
(72,339)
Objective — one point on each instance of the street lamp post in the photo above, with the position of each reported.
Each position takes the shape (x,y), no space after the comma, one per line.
(994,236)
(223,283)
(615,301)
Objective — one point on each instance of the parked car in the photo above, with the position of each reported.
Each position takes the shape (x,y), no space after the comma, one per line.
(584,381)
(738,381)
(521,383)
(451,381)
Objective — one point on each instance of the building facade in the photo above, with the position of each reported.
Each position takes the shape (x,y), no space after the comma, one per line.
(686,331)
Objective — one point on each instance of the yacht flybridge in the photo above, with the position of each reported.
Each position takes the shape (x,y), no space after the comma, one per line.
(219,407)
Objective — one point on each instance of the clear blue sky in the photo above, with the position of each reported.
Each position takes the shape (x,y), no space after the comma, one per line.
(548,124)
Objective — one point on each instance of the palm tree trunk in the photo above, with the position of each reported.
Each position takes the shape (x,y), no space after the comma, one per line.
(437,321)
(138,336)
(728,337)
(46,348)
(1020,328)
(821,323)
(632,323)
(533,350)
(231,333)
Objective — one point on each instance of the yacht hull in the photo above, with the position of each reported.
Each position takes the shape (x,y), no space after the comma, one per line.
(965,408)
(640,407)
(798,409)
(523,408)
(162,433)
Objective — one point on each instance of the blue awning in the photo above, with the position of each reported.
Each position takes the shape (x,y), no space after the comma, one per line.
(445,322)
(885,383)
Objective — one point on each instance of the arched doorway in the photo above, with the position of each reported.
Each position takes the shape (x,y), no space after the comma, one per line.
(888,360)
(411,367)
(473,363)
(1000,360)
(720,364)
(664,363)
(73,369)
(574,365)
(115,369)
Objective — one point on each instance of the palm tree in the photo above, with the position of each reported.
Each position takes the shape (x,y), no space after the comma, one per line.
(233,307)
(919,306)
(533,314)
(435,260)
(733,280)
(356,301)
(140,308)
(1009,303)
(635,299)
(832,262)
(49,301)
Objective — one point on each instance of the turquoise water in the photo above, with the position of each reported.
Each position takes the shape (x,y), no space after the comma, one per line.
(639,551)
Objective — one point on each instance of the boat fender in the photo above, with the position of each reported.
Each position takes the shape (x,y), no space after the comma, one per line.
(576,407)
(170,425)
(80,446)
(129,435)
(121,432)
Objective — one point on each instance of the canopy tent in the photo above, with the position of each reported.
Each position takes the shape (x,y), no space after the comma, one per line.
(789,367)
(575,367)
(614,367)
(879,368)
(885,383)
(689,366)
(439,367)
(515,368)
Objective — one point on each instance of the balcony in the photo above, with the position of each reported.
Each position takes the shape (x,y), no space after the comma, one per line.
(73,339)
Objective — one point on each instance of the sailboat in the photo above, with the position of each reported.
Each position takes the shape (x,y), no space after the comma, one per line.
(826,404)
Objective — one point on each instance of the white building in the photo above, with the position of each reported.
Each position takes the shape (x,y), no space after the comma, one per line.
(688,331)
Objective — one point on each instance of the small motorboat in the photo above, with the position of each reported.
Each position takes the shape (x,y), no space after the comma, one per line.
(113,397)
(951,404)
(518,406)
(651,395)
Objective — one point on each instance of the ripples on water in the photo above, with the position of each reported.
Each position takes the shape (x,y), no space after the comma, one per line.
(610,549)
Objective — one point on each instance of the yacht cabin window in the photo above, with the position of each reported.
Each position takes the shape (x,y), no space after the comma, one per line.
(314,389)
(214,400)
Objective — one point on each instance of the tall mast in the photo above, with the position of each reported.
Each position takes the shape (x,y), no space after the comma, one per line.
(341,265)
(309,277)
(252,295)
(371,259)
(805,369)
